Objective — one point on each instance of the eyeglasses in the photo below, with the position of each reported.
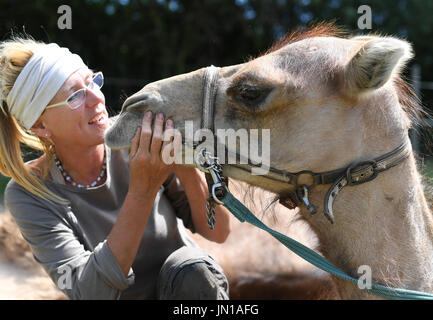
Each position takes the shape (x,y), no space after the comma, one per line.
(78,98)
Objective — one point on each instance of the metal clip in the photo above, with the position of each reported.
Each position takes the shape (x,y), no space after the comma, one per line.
(211,164)
(303,194)
(218,187)
(204,160)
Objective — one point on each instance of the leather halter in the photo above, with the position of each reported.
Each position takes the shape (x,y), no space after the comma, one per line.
(356,173)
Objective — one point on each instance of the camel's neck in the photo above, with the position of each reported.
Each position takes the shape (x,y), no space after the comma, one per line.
(384,226)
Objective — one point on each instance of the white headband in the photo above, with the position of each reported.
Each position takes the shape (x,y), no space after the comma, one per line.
(39,81)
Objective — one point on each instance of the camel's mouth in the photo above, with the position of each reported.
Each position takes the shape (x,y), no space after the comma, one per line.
(119,135)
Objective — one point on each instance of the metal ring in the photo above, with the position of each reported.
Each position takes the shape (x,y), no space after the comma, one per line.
(214,196)
(305,172)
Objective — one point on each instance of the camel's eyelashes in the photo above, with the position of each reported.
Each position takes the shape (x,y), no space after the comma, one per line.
(249,95)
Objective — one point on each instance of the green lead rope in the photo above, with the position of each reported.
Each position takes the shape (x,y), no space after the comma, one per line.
(243,214)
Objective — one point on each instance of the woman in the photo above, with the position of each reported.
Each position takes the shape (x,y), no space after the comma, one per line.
(101,222)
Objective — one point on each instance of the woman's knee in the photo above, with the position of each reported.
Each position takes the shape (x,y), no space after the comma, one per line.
(191,273)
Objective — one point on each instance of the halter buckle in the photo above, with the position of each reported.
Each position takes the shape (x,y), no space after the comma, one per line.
(360,172)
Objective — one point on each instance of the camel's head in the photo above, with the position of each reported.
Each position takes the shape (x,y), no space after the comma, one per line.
(322,97)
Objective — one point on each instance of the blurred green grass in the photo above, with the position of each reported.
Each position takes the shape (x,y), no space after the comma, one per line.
(3,182)
(427,168)
(28,154)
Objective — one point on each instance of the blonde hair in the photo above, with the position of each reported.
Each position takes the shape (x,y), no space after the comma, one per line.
(14,54)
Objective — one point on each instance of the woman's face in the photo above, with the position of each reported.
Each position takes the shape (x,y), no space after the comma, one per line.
(83,126)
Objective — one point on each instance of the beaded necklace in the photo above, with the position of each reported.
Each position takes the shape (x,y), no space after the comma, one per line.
(68,178)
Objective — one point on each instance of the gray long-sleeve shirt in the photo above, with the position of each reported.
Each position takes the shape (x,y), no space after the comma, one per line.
(70,241)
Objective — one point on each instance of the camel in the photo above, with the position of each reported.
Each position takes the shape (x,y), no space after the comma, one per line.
(328,99)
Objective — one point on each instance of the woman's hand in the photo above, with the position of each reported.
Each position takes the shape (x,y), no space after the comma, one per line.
(148,170)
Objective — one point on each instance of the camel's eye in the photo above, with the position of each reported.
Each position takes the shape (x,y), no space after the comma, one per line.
(248,94)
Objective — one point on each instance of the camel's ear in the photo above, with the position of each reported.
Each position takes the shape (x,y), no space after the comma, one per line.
(374,63)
